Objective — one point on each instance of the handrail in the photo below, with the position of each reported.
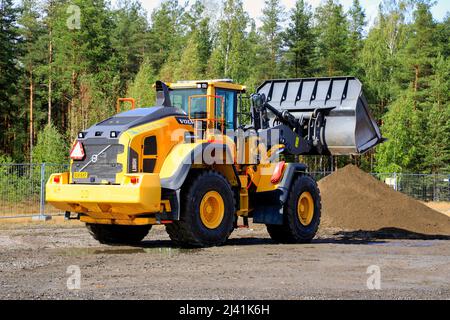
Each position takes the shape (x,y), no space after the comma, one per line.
(208,120)
(131,100)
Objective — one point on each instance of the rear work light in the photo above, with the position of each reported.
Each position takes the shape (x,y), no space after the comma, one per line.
(77,152)
(114,134)
(134,180)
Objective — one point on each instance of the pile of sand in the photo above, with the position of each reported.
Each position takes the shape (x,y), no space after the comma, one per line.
(354,200)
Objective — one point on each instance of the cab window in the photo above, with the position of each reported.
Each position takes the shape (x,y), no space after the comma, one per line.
(229,106)
(180,99)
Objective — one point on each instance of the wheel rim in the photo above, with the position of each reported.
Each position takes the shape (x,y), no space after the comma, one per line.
(305,208)
(212,210)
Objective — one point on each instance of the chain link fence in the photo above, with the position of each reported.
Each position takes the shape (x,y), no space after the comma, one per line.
(22,187)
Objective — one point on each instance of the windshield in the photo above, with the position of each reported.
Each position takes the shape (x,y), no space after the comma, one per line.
(180,99)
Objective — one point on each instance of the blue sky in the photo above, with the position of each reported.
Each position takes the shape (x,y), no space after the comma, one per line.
(254,7)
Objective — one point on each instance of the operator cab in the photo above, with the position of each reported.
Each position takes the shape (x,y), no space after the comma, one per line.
(213,103)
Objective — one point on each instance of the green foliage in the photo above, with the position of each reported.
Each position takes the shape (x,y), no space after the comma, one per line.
(51,147)
(9,70)
(5,159)
(271,35)
(76,75)
(332,39)
(299,40)
(141,88)
(357,22)
(129,39)
(418,120)
(402,129)
(438,121)
(189,58)
(165,33)
(228,57)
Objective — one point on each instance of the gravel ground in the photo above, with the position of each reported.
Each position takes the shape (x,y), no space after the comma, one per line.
(34,261)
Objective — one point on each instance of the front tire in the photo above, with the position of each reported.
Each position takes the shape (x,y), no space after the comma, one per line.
(207,212)
(302,213)
(117,234)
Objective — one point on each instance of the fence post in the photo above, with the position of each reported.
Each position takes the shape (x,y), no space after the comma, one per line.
(395,181)
(42,216)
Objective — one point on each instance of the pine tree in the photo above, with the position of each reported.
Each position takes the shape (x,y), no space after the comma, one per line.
(401,152)
(129,39)
(437,157)
(379,59)
(33,57)
(254,58)
(271,36)
(357,19)
(299,40)
(141,88)
(9,71)
(443,34)
(332,39)
(201,36)
(420,49)
(166,33)
(228,57)
(84,65)
(51,147)
(357,23)
(417,122)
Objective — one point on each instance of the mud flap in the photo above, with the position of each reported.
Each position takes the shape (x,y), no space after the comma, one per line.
(268,215)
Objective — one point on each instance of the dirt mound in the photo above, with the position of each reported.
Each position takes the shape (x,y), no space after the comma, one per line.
(354,200)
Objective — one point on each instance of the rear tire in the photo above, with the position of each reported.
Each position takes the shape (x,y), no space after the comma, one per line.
(302,213)
(116,234)
(207,212)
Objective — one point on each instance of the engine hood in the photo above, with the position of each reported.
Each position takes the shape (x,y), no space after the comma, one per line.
(130,119)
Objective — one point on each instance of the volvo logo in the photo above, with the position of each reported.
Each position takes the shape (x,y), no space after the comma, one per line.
(94,158)
(185,121)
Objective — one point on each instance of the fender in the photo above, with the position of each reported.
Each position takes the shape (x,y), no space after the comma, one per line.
(269,206)
(180,160)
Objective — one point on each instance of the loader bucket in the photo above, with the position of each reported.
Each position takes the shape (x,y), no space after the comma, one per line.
(348,129)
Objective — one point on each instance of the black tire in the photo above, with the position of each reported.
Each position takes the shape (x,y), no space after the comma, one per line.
(190,231)
(116,234)
(292,230)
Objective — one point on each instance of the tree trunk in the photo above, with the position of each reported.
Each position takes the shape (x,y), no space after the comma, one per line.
(50,84)
(31,116)
(416,84)
(416,80)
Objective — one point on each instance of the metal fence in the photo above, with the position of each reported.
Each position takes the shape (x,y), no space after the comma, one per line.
(22,187)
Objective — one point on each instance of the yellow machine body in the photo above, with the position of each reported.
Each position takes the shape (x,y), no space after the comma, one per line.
(125,203)
(131,169)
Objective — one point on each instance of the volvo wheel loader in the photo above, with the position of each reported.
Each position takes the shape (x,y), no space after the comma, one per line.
(190,164)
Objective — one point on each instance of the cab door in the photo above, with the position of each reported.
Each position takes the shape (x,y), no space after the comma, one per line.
(229,100)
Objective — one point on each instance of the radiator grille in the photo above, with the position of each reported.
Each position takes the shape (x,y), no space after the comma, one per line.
(100,163)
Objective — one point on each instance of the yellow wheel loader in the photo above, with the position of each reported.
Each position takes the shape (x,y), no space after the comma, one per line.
(191,164)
